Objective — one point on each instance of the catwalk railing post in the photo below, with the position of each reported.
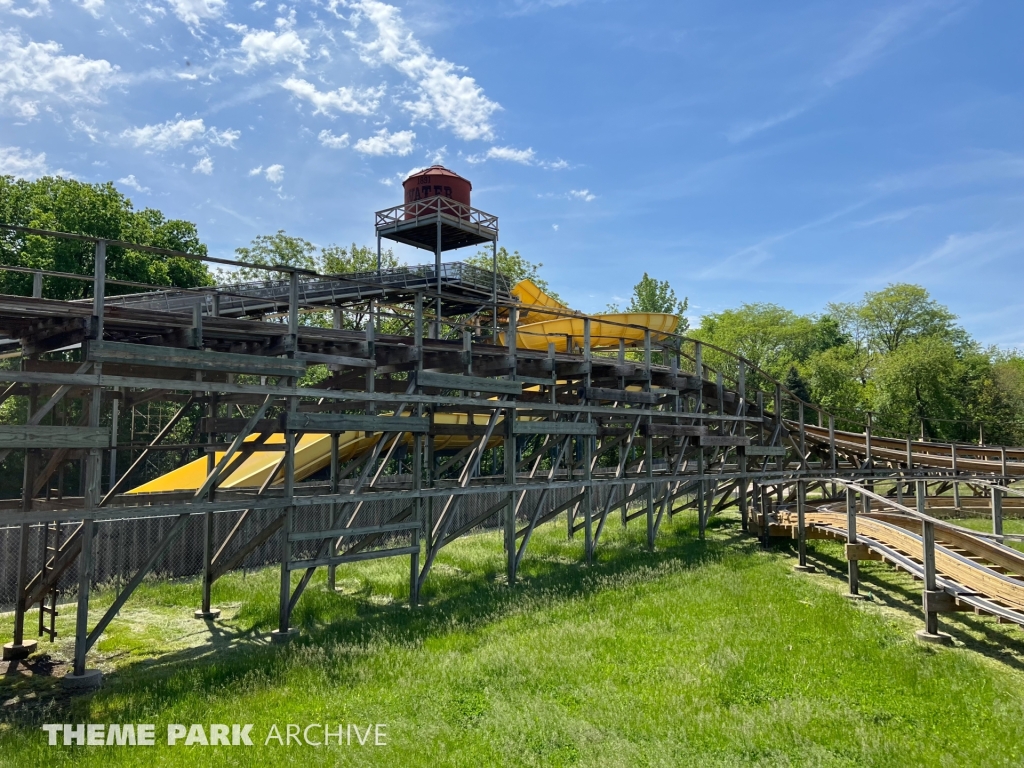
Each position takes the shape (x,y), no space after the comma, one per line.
(437,272)
(494,286)
(832,449)
(853,570)
(698,364)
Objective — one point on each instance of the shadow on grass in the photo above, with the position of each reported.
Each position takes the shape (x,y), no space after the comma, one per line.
(454,600)
(900,591)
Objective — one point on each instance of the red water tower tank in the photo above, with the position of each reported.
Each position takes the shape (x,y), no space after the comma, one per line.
(436,181)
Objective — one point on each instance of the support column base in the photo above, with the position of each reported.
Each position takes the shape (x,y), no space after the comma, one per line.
(937,638)
(14,652)
(804,568)
(207,615)
(89,680)
(278,637)
(851,596)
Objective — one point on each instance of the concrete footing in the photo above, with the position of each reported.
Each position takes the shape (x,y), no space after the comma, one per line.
(277,636)
(89,680)
(14,652)
(937,638)
(207,615)
(851,596)
(803,568)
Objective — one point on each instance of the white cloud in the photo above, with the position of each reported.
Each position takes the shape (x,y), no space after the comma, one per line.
(166,135)
(223,138)
(92,6)
(275,173)
(331,141)
(557,165)
(193,12)
(521,156)
(175,133)
(31,68)
(131,181)
(264,46)
(554,227)
(582,194)
(41,7)
(15,161)
(204,166)
(445,96)
(352,100)
(384,143)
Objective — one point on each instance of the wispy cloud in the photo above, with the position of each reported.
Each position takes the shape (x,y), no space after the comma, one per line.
(445,96)
(195,12)
(331,141)
(21,163)
(385,143)
(886,31)
(133,183)
(351,100)
(175,133)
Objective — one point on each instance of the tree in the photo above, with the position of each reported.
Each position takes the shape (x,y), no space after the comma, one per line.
(650,295)
(513,267)
(920,380)
(900,313)
(282,249)
(99,210)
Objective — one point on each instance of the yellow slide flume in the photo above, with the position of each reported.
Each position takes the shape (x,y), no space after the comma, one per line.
(312,453)
(566,332)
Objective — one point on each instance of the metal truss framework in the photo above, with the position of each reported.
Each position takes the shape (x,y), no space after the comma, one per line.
(593,436)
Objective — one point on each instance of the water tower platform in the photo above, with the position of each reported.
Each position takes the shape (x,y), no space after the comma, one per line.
(437,221)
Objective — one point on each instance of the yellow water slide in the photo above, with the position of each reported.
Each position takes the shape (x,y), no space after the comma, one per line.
(563,327)
(312,453)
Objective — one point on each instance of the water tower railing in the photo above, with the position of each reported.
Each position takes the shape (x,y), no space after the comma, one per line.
(432,207)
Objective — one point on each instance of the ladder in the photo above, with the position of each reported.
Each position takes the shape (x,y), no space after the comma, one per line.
(48,604)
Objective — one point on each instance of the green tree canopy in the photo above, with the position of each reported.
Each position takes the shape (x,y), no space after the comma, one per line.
(282,249)
(99,210)
(650,295)
(513,267)
(898,313)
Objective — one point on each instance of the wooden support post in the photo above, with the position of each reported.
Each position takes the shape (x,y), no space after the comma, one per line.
(332,569)
(932,596)
(510,456)
(284,631)
(853,572)
(997,511)
(956,483)
(37,285)
(780,461)
(18,648)
(206,611)
(801,528)
(588,458)
(649,467)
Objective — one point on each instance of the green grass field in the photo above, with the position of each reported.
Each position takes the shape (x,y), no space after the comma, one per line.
(710,653)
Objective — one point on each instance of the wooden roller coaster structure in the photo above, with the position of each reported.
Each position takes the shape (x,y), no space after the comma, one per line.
(579,435)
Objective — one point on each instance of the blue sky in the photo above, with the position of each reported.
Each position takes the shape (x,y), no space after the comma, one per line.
(794,152)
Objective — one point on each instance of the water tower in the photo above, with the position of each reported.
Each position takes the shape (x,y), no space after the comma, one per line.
(437,216)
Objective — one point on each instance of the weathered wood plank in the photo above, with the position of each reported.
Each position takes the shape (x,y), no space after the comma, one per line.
(230,425)
(470,383)
(763,450)
(353,422)
(18,436)
(724,440)
(176,357)
(520,427)
(620,395)
(672,430)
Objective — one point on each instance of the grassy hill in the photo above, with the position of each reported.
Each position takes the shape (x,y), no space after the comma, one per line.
(709,653)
